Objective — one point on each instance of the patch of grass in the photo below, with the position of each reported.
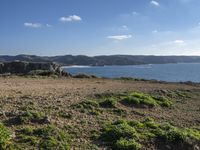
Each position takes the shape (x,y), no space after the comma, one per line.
(88,106)
(108,102)
(120,111)
(179,94)
(126,135)
(163,101)
(31,116)
(5,137)
(139,99)
(47,137)
(64,114)
(124,144)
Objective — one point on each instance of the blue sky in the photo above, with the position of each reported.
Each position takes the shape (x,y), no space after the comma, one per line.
(100,27)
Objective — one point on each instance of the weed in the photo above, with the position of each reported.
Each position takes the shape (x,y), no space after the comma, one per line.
(5,137)
(64,114)
(89,106)
(30,116)
(108,102)
(124,144)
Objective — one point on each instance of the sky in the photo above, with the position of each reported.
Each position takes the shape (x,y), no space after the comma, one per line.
(100,27)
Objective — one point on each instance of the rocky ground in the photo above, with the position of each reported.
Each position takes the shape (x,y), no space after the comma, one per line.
(34,108)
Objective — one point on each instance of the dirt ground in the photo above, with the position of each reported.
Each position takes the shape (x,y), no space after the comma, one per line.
(50,96)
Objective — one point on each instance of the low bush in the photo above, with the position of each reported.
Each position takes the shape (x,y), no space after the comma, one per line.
(5,137)
(31,116)
(124,144)
(140,99)
(126,135)
(108,102)
(88,106)
(47,137)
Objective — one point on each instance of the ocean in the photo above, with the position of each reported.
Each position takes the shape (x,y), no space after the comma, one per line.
(180,72)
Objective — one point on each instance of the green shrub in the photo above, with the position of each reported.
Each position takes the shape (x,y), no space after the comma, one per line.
(124,134)
(47,137)
(50,143)
(30,116)
(108,102)
(139,99)
(124,144)
(89,106)
(115,132)
(163,101)
(64,114)
(5,137)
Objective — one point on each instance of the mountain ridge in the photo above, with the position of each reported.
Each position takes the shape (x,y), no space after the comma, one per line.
(102,60)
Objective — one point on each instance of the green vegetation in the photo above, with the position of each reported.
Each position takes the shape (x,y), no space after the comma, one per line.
(48,137)
(108,102)
(124,144)
(89,106)
(125,135)
(64,114)
(179,94)
(31,116)
(139,99)
(5,137)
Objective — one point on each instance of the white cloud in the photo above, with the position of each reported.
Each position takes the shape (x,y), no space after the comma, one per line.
(32,25)
(70,18)
(155,3)
(179,42)
(120,37)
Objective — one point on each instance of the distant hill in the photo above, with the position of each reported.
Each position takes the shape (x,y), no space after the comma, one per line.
(103,60)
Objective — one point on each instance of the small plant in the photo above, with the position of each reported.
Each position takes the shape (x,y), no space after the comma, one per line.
(5,137)
(124,144)
(64,114)
(108,102)
(30,116)
(89,106)
(138,99)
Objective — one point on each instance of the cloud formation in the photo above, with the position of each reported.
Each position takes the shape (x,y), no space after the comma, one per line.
(32,25)
(70,18)
(155,3)
(179,42)
(119,37)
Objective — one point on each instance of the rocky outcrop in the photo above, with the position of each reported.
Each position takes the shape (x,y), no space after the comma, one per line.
(19,67)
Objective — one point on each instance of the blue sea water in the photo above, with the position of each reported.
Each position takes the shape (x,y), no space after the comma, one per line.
(180,72)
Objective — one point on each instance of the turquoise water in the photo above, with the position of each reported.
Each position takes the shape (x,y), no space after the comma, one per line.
(164,72)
